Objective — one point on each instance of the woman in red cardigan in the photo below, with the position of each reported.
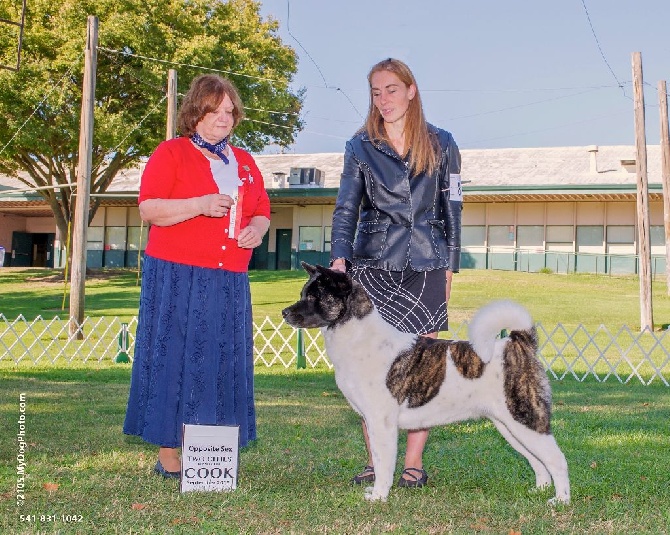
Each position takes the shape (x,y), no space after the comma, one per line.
(207,206)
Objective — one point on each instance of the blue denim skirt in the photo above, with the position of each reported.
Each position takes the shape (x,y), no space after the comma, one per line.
(193,359)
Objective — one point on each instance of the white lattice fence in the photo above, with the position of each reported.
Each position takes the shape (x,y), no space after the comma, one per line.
(44,341)
(621,355)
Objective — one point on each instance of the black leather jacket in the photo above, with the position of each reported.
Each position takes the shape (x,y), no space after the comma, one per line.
(384,219)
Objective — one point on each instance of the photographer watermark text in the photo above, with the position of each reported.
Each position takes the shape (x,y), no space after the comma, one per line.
(21,452)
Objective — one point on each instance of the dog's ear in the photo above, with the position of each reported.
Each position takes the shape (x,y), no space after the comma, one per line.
(308,268)
(338,281)
(327,271)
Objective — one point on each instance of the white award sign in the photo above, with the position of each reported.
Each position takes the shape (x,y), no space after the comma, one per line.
(209,457)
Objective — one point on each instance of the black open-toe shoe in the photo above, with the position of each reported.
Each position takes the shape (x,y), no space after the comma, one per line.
(366,476)
(165,473)
(413,478)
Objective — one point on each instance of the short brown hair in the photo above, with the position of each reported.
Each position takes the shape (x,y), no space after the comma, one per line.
(203,97)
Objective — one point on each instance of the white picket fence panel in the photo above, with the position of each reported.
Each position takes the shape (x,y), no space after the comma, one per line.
(621,355)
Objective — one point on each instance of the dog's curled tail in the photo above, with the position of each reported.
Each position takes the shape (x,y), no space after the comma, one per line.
(490,320)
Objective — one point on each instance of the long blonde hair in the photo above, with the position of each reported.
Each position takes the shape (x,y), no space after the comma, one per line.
(424,150)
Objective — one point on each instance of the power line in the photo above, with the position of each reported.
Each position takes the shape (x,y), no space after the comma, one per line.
(197,67)
(66,75)
(130,72)
(152,110)
(345,121)
(519,134)
(490,112)
(169,62)
(288,29)
(588,17)
(201,67)
(275,112)
(350,102)
(325,83)
(520,90)
(288,127)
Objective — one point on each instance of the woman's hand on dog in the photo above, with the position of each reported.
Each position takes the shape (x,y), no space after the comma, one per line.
(339,264)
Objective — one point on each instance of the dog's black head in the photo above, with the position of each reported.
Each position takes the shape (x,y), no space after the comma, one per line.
(328,298)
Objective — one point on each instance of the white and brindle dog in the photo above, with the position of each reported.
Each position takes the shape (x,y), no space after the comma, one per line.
(396,380)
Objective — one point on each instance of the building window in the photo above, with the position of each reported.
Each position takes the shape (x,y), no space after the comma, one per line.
(560,234)
(115,238)
(327,231)
(309,239)
(95,238)
(137,238)
(590,238)
(559,238)
(657,235)
(621,234)
(473,236)
(530,237)
(501,236)
(620,241)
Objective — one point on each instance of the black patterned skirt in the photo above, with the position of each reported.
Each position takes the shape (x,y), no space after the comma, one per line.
(412,301)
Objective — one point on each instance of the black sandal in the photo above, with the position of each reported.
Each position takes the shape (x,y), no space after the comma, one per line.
(366,476)
(412,480)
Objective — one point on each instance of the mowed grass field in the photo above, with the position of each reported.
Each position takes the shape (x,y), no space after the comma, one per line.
(591,300)
(82,475)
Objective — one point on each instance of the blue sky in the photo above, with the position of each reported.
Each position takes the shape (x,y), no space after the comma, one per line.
(495,73)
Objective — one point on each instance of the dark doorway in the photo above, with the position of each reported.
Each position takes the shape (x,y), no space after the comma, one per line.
(32,250)
(284,248)
(21,254)
(259,258)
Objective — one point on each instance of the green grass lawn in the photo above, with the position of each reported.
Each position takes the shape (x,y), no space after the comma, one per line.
(295,478)
(551,298)
(89,478)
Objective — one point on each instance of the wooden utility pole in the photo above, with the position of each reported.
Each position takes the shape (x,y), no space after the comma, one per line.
(665,174)
(644,248)
(172,105)
(79,229)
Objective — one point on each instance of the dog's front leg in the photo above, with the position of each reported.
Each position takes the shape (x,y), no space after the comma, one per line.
(383,439)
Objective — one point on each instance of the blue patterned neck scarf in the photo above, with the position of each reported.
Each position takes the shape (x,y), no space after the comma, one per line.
(216,148)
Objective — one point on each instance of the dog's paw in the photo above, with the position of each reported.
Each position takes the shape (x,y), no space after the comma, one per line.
(372,496)
(557,500)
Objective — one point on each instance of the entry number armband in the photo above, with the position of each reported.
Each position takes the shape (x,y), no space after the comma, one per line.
(455,188)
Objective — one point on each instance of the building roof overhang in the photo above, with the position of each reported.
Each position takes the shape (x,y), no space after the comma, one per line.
(33,205)
(559,193)
(302,196)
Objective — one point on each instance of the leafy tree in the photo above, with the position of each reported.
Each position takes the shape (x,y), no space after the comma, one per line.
(139,40)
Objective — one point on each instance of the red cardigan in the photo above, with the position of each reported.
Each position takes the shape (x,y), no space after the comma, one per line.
(178,170)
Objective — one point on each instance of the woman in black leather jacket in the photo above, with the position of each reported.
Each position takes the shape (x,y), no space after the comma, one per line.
(397,221)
